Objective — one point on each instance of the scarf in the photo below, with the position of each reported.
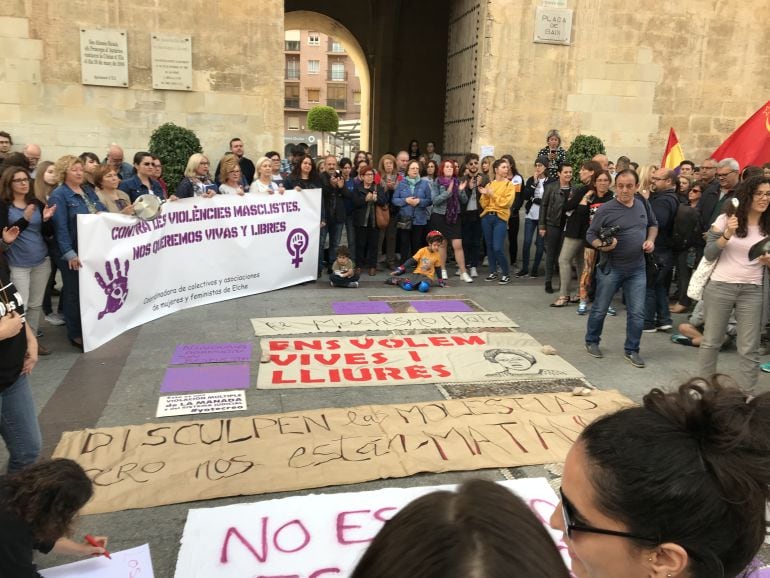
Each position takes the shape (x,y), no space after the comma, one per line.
(412,182)
(453,202)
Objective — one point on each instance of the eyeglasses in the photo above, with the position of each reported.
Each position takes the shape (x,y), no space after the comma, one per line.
(724,175)
(570,525)
(756,195)
(23,181)
(148,164)
(695,190)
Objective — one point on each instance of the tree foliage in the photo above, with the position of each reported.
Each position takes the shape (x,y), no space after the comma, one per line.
(174,145)
(582,149)
(323,119)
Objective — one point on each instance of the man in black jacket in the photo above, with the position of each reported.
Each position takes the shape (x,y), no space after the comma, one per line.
(552,218)
(664,204)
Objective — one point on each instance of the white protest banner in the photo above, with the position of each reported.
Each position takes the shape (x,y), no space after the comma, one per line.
(296,362)
(198,251)
(319,535)
(196,403)
(131,563)
(266,326)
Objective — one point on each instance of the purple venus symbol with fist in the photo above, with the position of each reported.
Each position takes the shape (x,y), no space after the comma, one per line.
(297,243)
(115,288)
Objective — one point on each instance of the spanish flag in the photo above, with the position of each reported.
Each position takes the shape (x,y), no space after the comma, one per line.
(673,155)
(749,144)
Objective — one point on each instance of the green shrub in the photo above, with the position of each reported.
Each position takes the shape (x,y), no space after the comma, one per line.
(582,149)
(174,145)
(323,119)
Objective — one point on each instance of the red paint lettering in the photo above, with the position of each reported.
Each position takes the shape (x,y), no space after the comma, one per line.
(386,373)
(470,340)
(305,539)
(441,371)
(233,532)
(306,376)
(278,378)
(364,374)
(355,359)
(316,345)
(412,343)
(283,360)
(278,345)
(415,356)
(342,526)
(417,372)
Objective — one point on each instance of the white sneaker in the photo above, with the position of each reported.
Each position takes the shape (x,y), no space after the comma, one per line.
(444,274)
(465,277)
(474,273)
(54,319)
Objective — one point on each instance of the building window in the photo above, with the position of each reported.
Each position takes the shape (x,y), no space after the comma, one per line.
(357,98)
(313,39)
(291,96)
(337,71)
(292,69)
(313,95)
(293,123)
(291,40)
(337,47)
(313,66)
(335,96)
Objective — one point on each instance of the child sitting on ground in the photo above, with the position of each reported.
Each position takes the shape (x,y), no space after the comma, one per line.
(344,270)
(691,333)
(425,263)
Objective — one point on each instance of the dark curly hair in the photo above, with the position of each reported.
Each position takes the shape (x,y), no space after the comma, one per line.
(47,496)
(744,192)
(691,468)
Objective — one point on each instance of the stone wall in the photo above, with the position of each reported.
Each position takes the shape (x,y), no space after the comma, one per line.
(633,70)
(237,85)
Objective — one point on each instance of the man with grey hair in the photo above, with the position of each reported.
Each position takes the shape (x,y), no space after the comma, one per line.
(711,203)
(32,152)
(402,159)
(115,160)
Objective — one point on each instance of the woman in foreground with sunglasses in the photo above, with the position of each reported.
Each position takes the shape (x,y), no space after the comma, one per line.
(675,488)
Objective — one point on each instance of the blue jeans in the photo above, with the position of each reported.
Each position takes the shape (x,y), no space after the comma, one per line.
(608,281)
(656,311)
(18,425)
(70,296)
(495,233)
(530,231)
(350,233)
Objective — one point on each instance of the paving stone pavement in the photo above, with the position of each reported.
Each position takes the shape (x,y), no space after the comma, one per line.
(118,384)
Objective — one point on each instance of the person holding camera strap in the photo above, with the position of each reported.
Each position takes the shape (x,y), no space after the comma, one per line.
(623,265)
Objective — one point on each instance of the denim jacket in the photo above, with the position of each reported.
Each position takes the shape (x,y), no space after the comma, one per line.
(68,206)
(134,188)
(422,191)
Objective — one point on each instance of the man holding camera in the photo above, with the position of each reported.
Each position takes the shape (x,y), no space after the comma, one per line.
(334,191)
(622,262)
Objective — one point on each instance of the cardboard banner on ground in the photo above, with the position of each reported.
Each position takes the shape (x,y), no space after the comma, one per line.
(394,360)
(321,535)
(197,251)
(155,464)
(267,326)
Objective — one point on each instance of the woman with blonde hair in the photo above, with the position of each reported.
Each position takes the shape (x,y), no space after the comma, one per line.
(264,183)
(645,173)
(196,181)
(230,176)
(486,167)
(45,182)
(71,199)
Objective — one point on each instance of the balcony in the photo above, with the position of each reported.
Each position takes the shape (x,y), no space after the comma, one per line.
(292,74)
(335,48)
(336,103)
(337,75)
(292,102)
(291,45)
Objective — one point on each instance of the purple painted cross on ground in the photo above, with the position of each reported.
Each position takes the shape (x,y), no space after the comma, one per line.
(361,307)
(205,378)
(441,306)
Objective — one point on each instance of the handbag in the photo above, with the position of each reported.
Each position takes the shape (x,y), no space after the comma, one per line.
(700,278)
(382,216)
(404,223)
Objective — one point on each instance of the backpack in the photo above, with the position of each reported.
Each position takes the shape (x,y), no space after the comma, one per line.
(687,231)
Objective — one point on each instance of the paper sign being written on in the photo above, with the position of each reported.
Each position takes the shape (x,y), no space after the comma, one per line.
(196,403)
(133,563)
(320,535)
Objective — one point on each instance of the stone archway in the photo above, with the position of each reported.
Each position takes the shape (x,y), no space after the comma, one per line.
(307,20)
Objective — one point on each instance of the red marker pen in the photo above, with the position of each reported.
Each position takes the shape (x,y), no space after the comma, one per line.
(91,540)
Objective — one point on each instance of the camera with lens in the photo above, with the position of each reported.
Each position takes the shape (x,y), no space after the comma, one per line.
(607,234)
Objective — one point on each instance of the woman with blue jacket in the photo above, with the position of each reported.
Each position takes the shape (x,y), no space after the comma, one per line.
(412,197)
(71,198)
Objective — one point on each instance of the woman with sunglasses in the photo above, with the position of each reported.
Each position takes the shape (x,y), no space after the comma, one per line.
(675,488)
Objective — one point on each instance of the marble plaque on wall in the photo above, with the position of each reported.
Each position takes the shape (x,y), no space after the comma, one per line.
(171,62)
(103,57)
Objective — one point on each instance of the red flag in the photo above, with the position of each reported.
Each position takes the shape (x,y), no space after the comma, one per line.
(750,143)
(673,155)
